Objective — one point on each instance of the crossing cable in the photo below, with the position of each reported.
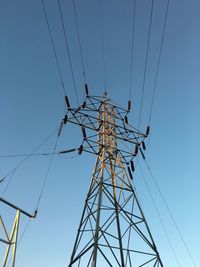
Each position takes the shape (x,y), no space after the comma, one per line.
(159,59)
(146,61)
(8,184)
(27,157)
(38,154)
(40,195)
(39,199)
(103,43)
(68,52)
(47,175)
(79,41)
(24,155)
(132,49)
(170,213)
(53,47)
(159,216)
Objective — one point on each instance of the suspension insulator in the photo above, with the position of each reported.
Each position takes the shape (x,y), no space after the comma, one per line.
(65,119)
(143,145)
(130,174)
(129,105)
(132,166)
(126,119)
(67,151)
(83,132)
(61,125)
(136,150)
(80,150)
(142,153)
(147,130)
(86,89)
(67,101)
(84,104)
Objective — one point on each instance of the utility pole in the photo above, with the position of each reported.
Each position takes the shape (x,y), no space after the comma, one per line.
(113,230)
(11,240)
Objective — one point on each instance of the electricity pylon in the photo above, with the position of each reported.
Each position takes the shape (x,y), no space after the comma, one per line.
(113,230)
(11,240)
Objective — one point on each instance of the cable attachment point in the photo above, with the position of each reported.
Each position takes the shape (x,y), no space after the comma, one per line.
(60,129)
(136,150)
(129,105)
(80,150)
(84,104)
(132,166)
(143,145)
(147,130)
(67,101)
(67,151)
(35,213)
(86,89)
(83,133)
(65,119)
(130,174)
(126,119)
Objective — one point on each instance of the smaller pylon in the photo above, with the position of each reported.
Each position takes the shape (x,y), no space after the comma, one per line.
(11,240)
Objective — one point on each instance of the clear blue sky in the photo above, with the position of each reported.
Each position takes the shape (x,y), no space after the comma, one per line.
(32,106)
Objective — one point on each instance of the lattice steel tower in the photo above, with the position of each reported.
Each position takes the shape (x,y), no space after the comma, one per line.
(113,230)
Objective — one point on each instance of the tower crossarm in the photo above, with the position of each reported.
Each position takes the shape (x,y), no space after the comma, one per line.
(87,117)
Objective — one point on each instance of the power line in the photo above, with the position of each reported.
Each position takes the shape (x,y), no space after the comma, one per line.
(146,61)
(159,58)
(25,155)
(40,195)
(28,156)
(68,52)
(41,192)
(103,43)
(159,216)
(79,41)
(132,48)
(170,213)
(47,175)
(37,154)
(8,183)
(53,47)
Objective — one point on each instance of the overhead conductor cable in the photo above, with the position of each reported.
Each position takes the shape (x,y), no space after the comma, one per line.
(102,43)
(79,41)
(146,63)
(159,59)
(132,50)
(159,216)
(27,156)
(68,52)
(53,47)
(171,215)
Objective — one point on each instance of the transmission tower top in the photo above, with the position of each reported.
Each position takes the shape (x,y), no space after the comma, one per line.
(89,117)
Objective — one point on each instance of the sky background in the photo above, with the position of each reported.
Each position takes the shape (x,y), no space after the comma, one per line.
(32,106)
